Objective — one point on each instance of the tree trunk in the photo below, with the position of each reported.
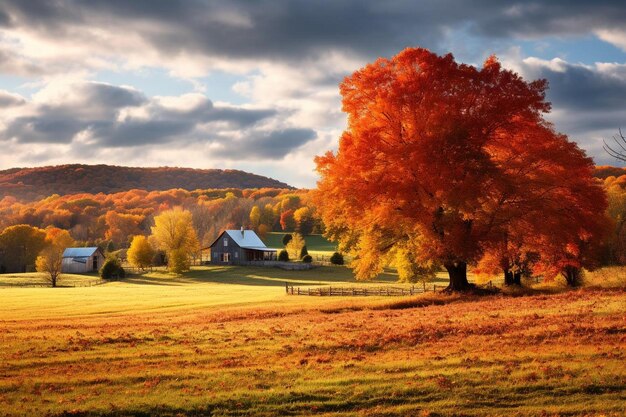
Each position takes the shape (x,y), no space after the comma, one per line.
(512,278)
(457,272)
(573,276)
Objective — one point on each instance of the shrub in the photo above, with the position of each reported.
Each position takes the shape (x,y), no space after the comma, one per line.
(336,259)
(307,259)
(303,252)
(178,261)
(283,256)
(112,269)
(287,238)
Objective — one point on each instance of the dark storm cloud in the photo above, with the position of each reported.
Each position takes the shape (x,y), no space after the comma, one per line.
(531,19)
(580,88)
(266,145)
(289,29)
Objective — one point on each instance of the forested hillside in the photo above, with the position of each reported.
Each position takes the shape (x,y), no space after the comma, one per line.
(117,217)
(36,183)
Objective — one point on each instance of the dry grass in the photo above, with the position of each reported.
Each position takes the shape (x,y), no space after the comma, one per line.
(203,346)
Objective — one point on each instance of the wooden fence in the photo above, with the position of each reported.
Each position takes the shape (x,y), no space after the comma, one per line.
(361,291)
(365,290)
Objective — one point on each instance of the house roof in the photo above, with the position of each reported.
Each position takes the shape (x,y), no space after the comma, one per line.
(79,252)
(246,239)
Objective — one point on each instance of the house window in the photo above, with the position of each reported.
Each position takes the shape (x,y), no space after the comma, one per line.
(236,254)
(225,257)
(225,241)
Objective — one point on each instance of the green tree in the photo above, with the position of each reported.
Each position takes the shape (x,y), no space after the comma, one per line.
(336,259)
(283,256)
(112,269)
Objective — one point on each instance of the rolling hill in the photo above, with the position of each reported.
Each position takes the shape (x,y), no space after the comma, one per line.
(37,183)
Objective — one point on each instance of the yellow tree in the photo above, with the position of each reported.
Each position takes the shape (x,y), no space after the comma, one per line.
(50,260)
(295,245)
(141,252)
(174,233)
(20,246)
(255,216)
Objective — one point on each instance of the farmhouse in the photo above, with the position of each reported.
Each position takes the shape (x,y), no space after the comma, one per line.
(239,246)
(79,260)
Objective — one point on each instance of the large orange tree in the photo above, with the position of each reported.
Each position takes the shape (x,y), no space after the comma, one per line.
(451,163)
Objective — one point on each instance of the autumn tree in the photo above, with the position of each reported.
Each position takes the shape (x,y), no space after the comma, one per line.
(286,220)
(295,245)
(20,245)
(174,233)
(263,230)
(141,252)
(50,260)
(304,220)
(445,158)
(121,226)
(255,216)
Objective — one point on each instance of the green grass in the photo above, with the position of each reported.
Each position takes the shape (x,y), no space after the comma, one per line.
(314,243)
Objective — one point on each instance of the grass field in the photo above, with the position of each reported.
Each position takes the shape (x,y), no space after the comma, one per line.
(314,243)
(229,342)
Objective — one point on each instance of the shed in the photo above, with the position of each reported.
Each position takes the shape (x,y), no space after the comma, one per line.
(240,246)
(81,260)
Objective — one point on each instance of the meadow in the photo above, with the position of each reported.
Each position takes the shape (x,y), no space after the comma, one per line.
(227,341)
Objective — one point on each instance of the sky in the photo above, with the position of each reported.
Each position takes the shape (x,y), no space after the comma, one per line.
(253,85)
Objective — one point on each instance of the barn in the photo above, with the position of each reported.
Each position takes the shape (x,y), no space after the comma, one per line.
(81,260)
(240,246)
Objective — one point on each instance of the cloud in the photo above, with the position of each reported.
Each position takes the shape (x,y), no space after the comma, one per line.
(267,145)
(598,87)
(202,35)
(8,99)
(290,56)
(588,100)
(97,115)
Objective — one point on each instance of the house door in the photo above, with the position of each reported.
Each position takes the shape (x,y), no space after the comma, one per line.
(95,263)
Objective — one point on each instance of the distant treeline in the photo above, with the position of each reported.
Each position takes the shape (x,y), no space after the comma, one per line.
(97,218)
(36,183)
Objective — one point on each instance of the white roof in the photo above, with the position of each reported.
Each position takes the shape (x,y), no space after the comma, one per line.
(246,239)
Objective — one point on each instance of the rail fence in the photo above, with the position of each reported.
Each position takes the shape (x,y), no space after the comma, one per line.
(384,291)
(361,291)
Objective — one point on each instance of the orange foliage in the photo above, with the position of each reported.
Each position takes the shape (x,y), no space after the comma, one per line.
(455,162)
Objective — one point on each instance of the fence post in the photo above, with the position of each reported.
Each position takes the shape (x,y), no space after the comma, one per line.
(287,288)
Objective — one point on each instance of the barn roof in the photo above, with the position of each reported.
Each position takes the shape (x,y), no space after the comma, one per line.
(79,252)
(246,239)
